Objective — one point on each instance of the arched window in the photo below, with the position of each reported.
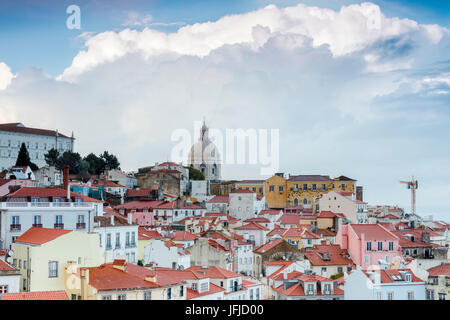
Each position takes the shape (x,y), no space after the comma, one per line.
(295,202)
(305,201)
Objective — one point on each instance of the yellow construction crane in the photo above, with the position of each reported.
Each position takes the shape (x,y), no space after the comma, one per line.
(413,185)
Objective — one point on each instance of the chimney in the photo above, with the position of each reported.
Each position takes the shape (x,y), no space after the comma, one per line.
(66,177)
(84,283)
(130,218)
(112,219)
(426,237)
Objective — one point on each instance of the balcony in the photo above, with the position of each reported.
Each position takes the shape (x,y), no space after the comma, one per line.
(81,225)
(59,225)
(37,225)
(15,227)
(46,205)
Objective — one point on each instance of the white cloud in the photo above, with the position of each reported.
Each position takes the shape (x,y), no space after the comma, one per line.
(306,71)
(136,19)
(6,76)
(350,29)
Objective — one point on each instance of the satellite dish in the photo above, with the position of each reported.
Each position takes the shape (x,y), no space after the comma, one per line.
(9,260)
(10,253)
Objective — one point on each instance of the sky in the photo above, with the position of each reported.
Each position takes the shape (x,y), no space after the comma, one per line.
(355,88)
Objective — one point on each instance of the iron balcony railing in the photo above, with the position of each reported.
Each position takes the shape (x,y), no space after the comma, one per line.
(37,225)
(59,226)
(81,225)
(15,227)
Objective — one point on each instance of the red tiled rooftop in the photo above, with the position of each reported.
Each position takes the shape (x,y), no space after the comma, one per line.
(4,266)
(215,272)
(269,212)
(40,235)
(440,270)
(191,294)
(37,295)
(372,232)
(252,226)
(219,199)
(184,236)
(138,205)
(268,246)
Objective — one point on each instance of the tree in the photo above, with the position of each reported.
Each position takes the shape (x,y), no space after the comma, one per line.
(23,159)
(51,157)
(195,174)
(71,159)
(110,160)
(96,164)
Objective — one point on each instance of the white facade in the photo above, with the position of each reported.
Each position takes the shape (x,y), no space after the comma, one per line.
(245,205)
(37,146)
(123,178)
(200,190)
(360,287)
(49,176)
(9,280)
(257,237)
(18,217)
(119,242)
(244,258)
(166,257)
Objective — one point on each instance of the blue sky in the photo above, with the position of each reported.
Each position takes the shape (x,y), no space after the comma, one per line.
(33,33)
(348,98)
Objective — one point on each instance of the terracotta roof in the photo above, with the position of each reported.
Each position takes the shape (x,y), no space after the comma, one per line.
(252,226)
(301,232)
(144,234)
(42,192)
(192,294)
(143,204)
(392,275)
(326,214)
(289,218)
(269,212)
(328,255)
(184,236)
(215,272)
(372,232)
(268,246)
(4,266)
(258,219)
(138,193)
(107,277)
(19,128)
(109,183)
(440,270)
(173,205)
(41,235)
(219,199)
(37,295)
(106,221)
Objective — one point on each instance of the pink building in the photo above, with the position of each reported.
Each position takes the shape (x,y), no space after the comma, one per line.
(367,244)
(141,211)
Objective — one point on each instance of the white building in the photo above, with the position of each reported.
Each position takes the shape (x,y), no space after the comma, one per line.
(170,212)
(119,238)
(126,179)
(167,254)
(200,190)
(384,284)
(37,141)
(344,202)
(47,208)
(218,204)
(49,176)
(9,278)
(244,257)
(22,173)
(244,204)
(253,232)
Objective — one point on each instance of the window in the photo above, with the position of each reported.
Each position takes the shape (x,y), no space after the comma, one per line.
(58,220)
(117,240)
(53,269)
(122,296)
(127,240)
(147,295)
(323,187)
(323,270)
(327,288)
(221,284)
(380,246)
(408,277)
(295,186)
(80,218)
(366,259)
(280,188)
(181,291)
(339,269)
(314,187)
(343,186)
(379,295)
(257,293)
(133,241)
(3,288)
(108,241)
(430,294)
(410,295)
(305,187)
(24,264)
(251,294)
(37,219)
(132,257)
(20,263)
(305,201)
(442,296)
(169,293)
(391,246)
(369,246)
(271,188)
(391,295)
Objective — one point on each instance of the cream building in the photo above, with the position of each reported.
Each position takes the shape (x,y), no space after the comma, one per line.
(41,255)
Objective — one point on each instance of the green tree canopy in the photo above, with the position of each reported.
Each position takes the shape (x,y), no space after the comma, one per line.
(110,160)
(51,157)
(23,159)
(96,164)
(195,174)
(71,159)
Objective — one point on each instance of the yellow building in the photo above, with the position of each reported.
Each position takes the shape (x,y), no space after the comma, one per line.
(302,190)
(42,254)
(256,186)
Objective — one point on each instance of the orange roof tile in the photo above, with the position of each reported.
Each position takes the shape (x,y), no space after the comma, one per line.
(40,235)
(37,295)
